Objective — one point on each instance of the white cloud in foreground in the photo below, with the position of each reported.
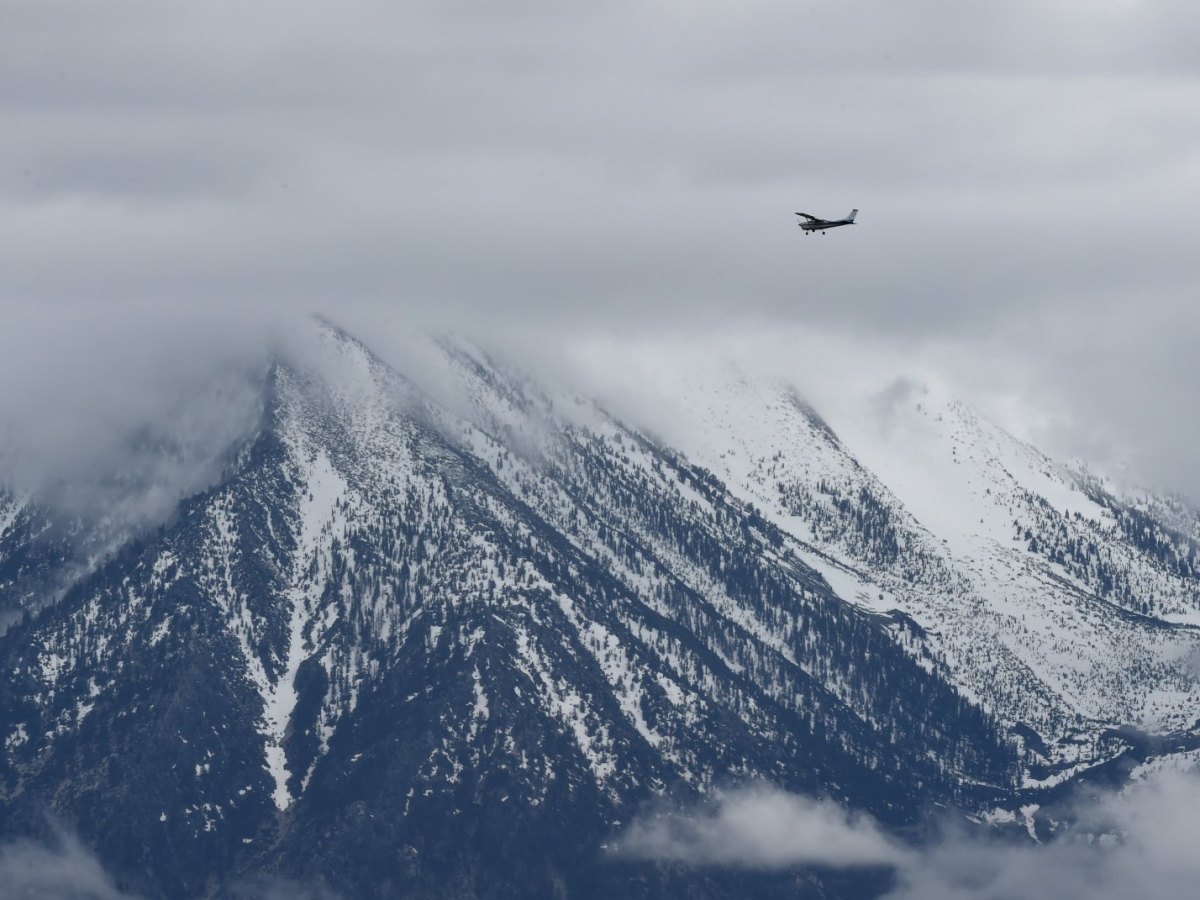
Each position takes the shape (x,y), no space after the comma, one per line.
(761,828)
(64,869)
(64,872)
(1139,842)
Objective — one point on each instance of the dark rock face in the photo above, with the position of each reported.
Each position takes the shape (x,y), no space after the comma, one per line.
(400,651)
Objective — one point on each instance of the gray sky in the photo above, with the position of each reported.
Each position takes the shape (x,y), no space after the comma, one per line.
(1026,173)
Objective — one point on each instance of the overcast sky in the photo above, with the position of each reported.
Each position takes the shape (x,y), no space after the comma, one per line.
(1027,175)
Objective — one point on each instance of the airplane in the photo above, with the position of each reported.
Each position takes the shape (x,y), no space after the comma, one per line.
(812,223)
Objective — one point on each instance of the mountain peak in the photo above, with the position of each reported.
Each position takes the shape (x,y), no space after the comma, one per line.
(402,609)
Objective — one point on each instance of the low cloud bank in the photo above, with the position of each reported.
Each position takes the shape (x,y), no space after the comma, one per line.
(120,417)
(1139,842)
(761,828)
(270,887)
(66,871)
(1136,843)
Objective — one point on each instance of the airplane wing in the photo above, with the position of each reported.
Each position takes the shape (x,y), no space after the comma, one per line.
(810,218)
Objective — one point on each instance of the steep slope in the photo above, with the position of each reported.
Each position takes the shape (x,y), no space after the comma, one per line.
(413,651)
(63,517)
(1052,602)
(43,552)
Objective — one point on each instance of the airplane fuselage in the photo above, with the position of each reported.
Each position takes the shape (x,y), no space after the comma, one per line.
(811,223)
(821,226)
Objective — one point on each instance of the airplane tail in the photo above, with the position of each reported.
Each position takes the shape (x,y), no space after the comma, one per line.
(853,213)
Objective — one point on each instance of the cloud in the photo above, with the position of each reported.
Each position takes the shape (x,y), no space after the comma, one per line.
(760,828)
(123,414)
(548,163)
(270,887)
(1025,175)
(1137,842)
(63,871)
(66,870)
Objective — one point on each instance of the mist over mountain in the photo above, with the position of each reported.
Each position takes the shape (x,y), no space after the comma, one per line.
(435,622)
(433,463)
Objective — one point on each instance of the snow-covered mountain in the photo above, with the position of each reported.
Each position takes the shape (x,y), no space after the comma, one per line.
(444,631)
(1058,605)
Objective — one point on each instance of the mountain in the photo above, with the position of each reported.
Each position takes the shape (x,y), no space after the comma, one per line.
(1062,607)
(441,630)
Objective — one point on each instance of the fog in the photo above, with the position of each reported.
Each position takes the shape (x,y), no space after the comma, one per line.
(761,828)
(63,870)
(183,186)
(124,414)
(1135,843)
(1025,175)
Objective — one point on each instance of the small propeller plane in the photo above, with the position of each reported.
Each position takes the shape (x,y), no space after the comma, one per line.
(812,223)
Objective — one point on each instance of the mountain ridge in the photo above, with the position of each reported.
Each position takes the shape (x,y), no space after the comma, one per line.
(390,620)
